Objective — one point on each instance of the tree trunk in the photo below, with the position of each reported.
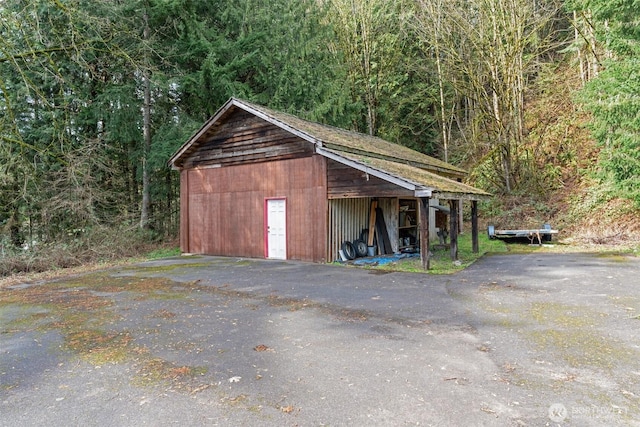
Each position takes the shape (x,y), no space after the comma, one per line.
(146,133)
(445,133)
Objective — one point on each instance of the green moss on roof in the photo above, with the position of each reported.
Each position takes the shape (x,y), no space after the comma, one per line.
(358,143)
(415,175)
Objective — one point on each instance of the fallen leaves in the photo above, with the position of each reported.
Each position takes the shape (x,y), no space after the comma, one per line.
(287,409)
(201,388)
(159,371)
(484,348)
(163,314)
(180,371)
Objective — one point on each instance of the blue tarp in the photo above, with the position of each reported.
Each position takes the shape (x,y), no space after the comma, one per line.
(383,259)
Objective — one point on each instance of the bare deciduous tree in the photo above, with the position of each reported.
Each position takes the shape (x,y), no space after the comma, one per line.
(486,49)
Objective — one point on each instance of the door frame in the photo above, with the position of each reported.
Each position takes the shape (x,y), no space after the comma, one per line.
(266,226)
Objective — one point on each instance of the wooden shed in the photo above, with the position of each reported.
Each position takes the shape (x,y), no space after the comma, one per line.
(264,184)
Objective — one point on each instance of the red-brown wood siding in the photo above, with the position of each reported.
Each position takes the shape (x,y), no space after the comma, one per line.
(345,182)
(184,211)
(225,208)
(243,138)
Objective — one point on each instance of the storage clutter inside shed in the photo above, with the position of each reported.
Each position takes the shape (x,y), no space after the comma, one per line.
(400,236)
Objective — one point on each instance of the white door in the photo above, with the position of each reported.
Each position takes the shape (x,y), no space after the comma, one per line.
(276,228)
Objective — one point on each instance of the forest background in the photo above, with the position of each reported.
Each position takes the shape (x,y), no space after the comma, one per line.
(538,99)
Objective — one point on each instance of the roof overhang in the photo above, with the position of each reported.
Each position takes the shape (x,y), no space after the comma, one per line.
(419,190)
(422,183)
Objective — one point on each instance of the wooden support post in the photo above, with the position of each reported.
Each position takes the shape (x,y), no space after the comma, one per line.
(372,222)
(424,232)
(453,236)
(474,226)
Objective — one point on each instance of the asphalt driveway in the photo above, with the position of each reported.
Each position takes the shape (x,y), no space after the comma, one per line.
(522,340)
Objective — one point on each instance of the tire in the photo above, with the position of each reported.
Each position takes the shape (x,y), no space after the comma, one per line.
(361,247)
(348,250)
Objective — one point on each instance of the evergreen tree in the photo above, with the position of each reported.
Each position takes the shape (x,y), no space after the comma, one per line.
(612,95)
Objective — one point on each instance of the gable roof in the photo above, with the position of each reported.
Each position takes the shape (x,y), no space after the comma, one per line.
(410,169)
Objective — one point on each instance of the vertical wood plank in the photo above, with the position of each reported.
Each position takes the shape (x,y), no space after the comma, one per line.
(372,222)
(424,232)
(331,236)
(453,236)
(184,211)
(393,223)
(474,226)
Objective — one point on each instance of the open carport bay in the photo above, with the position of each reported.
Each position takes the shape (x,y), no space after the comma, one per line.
(538,339)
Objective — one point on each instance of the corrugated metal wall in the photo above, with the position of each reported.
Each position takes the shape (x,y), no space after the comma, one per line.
(347,218)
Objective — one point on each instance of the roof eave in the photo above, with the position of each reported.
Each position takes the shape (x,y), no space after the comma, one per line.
(447,195)
(423,192)
(404,183)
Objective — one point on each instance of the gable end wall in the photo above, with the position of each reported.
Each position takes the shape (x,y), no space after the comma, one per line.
(243,138)
(222,209)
